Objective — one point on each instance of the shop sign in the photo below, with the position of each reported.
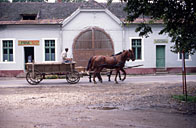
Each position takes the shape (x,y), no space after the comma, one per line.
(28,42)
(160,40)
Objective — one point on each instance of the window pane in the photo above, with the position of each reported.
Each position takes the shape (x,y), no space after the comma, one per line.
(52,50)
(5,57)
(53,56)
(133,43)
(5,51)
(11,57)
(47,50)
(46,43)
(10,51)
(4,44)
(139,53)
(186,55)
(10,44)
(47,56)
(53,43)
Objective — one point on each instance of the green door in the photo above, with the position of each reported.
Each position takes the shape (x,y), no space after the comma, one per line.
(160,56)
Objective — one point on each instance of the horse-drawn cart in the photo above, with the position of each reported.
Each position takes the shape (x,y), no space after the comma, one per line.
(36,72)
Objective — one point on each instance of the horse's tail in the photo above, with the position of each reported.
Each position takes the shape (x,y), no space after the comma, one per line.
(89,64)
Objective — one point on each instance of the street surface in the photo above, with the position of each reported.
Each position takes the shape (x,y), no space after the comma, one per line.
(137,102)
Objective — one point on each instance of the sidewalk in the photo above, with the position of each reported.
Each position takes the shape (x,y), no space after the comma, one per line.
(21,82)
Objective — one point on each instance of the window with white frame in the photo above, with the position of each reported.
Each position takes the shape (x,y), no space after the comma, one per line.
(49,50)
(7,48)
(187,56)
(136,46)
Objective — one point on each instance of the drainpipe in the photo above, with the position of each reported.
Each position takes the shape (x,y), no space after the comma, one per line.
(61,37)
(123,38)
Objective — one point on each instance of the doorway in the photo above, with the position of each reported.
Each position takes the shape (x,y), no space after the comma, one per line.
(28,51)
(160,56)
(90,42)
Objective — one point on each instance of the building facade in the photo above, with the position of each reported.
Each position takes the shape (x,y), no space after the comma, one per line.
(44,30)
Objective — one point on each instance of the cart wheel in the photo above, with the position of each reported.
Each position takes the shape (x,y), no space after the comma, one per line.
(34,79)
(73,77)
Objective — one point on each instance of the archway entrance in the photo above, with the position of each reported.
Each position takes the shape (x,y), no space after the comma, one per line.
(92,41)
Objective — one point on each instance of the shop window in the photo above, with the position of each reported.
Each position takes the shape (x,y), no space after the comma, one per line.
(49,50)
(7,50)
(137,48)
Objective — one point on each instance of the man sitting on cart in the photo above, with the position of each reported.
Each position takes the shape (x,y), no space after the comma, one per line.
(64,56)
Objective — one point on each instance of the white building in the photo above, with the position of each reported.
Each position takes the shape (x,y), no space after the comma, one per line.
(44,30)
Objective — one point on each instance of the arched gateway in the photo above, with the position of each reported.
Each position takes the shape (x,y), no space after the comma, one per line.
(90,42)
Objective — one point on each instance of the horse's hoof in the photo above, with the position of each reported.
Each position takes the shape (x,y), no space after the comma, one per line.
(116,82)
(95,82)
(122,79)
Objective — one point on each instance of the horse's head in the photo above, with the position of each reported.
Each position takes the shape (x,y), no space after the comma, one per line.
(132,56)
(129,55)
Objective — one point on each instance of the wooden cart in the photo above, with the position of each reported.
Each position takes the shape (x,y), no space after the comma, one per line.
(36,72)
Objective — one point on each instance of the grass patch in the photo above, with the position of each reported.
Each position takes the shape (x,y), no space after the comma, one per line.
(51,77)
(183,98)
(55,77)
(187,73)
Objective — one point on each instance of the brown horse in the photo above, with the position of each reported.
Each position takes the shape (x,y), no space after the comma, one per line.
(97,63)
(108,73)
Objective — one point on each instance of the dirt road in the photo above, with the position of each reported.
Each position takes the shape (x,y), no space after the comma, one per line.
(107,105)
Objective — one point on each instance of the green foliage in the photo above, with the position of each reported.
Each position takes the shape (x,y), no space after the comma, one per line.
(51,77)
(178,16)
(73,0)
(183,98)
(28,1)
(4,0)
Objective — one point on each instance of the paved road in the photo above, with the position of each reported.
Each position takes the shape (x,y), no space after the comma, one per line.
(21,82)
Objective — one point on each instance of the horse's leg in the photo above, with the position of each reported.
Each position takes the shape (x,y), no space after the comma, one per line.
(119,76)
(99,74)
(124,72)
(99,77)
(90,75)
(117,71)
(94,75)
(109,75)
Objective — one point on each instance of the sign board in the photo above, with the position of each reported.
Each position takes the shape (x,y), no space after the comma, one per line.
(160,40)
(28,42)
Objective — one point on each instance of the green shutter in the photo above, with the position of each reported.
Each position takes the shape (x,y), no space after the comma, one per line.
(8,50)
(49,50)
(137,48)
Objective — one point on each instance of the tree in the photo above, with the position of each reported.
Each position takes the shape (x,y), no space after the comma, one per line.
(4,0)
(28,1)
(73,0)
(178,17)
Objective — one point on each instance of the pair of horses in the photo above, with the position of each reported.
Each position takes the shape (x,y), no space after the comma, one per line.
(117,62)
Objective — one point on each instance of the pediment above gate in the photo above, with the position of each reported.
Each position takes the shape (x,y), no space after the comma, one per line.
(91,10)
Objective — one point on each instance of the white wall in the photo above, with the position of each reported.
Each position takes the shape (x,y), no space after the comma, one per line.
(27,32)
(70,30)
(149,58)
(89,19)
